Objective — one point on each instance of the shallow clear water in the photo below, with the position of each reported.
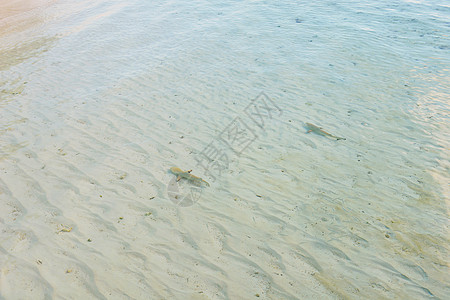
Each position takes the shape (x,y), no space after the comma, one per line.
(100,99)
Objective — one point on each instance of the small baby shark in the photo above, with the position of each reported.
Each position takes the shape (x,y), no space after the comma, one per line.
(186,175)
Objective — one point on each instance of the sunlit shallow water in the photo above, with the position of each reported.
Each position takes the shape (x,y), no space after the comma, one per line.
(99,100)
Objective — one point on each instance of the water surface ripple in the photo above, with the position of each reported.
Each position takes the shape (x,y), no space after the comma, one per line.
(100,98)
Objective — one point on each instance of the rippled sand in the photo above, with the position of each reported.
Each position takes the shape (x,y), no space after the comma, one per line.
(99,100)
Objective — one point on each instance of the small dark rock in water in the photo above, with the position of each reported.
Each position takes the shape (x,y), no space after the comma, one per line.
(298,20)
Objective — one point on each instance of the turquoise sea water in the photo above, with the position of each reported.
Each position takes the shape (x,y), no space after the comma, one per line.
(99,99)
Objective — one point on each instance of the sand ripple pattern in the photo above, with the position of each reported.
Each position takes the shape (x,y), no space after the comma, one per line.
(116,94)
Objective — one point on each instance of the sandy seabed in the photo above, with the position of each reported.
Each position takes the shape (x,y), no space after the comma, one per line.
(100,99)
